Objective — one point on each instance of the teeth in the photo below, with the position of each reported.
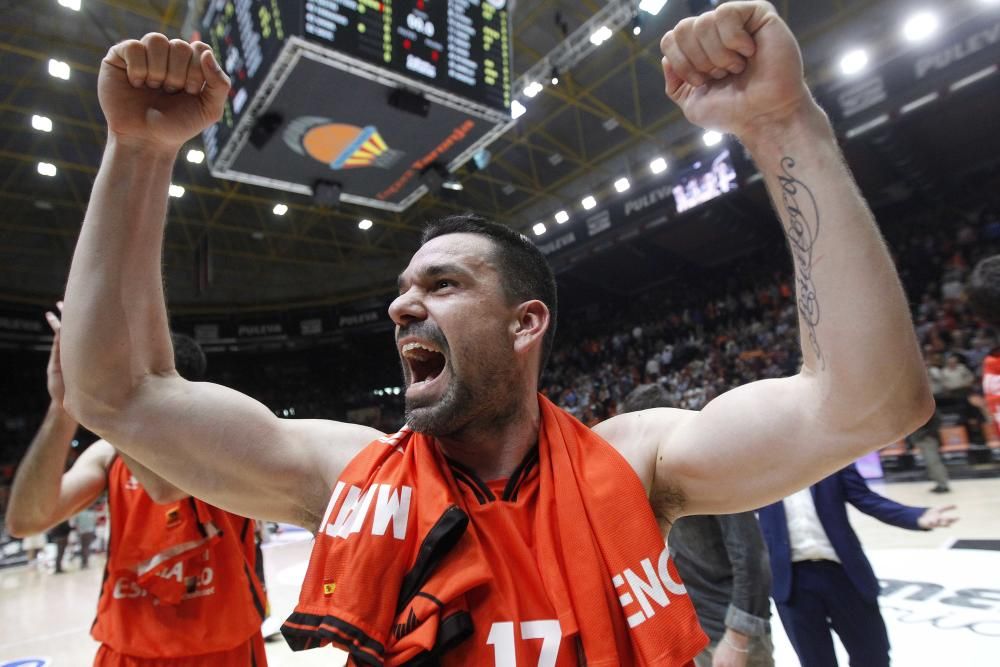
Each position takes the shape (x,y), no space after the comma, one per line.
(411,347)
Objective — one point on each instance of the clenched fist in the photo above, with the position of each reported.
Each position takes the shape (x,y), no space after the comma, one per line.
(157,93)
(737,69)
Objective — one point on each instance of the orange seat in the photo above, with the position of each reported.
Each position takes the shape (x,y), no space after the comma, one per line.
(953,439)
(895,449)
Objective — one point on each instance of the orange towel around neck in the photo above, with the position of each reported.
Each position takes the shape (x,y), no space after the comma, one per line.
(398,574)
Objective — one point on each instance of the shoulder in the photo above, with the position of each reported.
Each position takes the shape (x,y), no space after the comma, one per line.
(638,436)
(98,456)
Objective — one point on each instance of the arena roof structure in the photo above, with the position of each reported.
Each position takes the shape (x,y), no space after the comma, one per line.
(606,119)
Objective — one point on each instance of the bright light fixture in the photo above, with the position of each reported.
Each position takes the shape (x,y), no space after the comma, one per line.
(652,6)
(365,224)
(711,137)
(658,166)
(71,4)
(637,30)
(920,26)
(601,35)
(539,228)
(453,184)
(532,89)
(47,169)
(176,191)
(517,109)
(195,156)
(853,61)
(588,202)
(280,209)
(41,123)
(622,184)
(59,69)
(562,217)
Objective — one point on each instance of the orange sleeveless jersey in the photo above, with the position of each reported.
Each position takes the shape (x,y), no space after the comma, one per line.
(224,602)
(991,386)
(513,621)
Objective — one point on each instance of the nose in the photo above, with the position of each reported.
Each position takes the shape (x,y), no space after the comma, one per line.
(407,308)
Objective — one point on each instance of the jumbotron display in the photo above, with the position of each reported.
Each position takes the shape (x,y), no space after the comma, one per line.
(361,96)
(459,45)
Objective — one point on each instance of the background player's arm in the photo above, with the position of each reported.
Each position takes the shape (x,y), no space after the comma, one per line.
(214,443)
(42,494)
(862,383)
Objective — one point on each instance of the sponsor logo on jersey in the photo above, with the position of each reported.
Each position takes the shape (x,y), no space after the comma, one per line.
(386,505)
(638,587)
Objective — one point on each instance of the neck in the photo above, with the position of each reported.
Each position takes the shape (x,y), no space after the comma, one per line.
(493,449)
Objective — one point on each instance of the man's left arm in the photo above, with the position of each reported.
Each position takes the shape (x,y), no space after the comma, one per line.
(862,384)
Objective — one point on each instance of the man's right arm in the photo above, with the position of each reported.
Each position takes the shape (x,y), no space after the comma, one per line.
(213,443)
(42,495)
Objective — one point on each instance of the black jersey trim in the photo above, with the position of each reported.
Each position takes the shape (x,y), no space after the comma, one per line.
(253,592)
(439,541)
(362,648)
(520,474)
(484,493)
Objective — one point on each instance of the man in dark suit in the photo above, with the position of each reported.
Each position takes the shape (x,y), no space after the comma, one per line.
(821,576)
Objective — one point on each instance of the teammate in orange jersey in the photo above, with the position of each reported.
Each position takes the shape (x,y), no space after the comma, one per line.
(180,588)
(983,292)
(405,567)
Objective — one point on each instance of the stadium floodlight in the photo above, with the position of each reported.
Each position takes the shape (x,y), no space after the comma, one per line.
(195,156)
(711,138)
(59,69)
(562,217)
(920,26)
(280,209)
(47,169)
(41,123)
(71,4)
(365,224)
(652,6)
(601,35)
(539,228)
(854,61)
(622,184)
(532,89)
(658,165)
(588,202)
(517,109)
(176,191)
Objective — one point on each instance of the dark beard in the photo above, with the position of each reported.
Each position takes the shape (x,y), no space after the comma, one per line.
(446,416)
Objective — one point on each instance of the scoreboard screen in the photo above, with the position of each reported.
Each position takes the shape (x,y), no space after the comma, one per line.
(460,46)
(246,36)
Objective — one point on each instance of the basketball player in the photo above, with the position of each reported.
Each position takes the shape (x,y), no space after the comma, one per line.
(180,582)
(494,529)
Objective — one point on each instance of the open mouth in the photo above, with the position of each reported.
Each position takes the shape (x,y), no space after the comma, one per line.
(426,363)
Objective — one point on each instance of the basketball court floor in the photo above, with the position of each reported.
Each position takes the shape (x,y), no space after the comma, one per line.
(941,591)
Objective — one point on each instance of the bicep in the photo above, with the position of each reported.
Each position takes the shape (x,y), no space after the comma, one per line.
(231,451)
(752,446)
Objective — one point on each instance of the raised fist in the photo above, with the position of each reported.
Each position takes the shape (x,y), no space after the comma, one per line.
(735,69)
(158,92)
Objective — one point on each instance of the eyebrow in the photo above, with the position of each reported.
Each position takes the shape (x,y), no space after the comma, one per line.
(435,270)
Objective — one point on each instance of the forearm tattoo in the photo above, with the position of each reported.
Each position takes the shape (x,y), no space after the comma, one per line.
(802,229)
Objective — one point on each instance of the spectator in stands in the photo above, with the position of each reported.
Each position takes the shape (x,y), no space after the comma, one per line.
(822,579)
(723,563)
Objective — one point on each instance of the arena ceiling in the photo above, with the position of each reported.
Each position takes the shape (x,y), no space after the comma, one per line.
(607,117)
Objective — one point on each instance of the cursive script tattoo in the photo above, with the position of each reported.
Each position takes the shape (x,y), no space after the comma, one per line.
(802,230)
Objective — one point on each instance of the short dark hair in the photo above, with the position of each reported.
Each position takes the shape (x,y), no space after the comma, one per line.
(983,290)
(645,397)
(526,273)
(189,358)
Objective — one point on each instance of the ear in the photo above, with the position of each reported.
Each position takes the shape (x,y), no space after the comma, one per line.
(530,327)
